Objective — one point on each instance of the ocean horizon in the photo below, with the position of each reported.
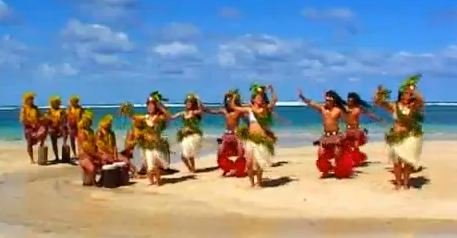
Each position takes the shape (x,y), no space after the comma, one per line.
(295,124)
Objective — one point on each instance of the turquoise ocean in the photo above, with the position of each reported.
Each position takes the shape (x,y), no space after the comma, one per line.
(295,124)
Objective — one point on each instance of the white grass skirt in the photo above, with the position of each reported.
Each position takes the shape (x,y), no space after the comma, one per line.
(155,158)
(191,145)
(408,151)
(259,154)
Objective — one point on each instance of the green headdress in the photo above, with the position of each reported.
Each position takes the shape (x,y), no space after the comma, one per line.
(126,109)
(411,81)
(257,88)
(156,96)
(88,114)
(233,93)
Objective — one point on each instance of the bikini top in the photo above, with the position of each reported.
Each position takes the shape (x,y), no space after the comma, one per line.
(252,117)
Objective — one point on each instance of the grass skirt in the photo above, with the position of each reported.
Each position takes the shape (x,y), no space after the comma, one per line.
(191,145)
(259,153)
(155,158)
(407,151)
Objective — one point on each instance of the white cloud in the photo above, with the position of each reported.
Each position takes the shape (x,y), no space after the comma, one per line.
(331,14)
(95,43)
(175,49)
(12,53)
(58,70)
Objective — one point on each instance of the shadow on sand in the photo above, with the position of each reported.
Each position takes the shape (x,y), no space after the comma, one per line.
(416,182)
(178,179)
(206,170)
(270,183)
(279,164)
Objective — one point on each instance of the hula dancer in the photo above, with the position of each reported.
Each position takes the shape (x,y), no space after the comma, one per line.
(405,137)
(74,114)
(258,138)
(106,140)
(229,145)
(330,144)
(356,136)
(57,124)
(190,135)
(35,130)
(89,159)
(155,148)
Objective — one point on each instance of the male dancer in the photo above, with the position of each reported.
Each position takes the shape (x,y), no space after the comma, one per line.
(330,144)
(229,144)
(356,136)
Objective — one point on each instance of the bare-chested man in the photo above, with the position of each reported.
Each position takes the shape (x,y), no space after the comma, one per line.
(229,145)
(330,143)
(356,136)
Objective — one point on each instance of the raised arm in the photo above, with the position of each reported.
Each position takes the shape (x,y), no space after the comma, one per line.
(380,100)
(239,108)
(274,98)
(164,110)
(309,102)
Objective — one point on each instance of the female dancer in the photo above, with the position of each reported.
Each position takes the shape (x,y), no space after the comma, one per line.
(405,137)
(190,135)
(89,159)
(34,127)
(259,139)
(229,145)
(155,148)
(57,122)
(106,140)
(74,114)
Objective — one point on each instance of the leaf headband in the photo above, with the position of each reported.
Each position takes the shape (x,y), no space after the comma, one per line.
(191,96)
(156,96)
(233,93)
(411,81)
(257,89)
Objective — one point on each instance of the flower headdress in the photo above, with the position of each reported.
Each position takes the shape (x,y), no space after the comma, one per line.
(27,96)
(156,96)
(105,121)
(192,97)
(257,89)
(410,82)
(232,93)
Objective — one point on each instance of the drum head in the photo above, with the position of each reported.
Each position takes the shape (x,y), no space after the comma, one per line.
(109,167)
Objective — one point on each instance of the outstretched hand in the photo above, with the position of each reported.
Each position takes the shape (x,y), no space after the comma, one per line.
(300,93)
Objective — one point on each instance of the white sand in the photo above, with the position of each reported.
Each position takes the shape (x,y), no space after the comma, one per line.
(295,192)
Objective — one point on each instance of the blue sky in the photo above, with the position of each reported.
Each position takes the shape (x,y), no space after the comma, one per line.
(110,51)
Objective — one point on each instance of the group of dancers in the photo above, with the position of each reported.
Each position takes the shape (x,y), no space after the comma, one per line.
(251,143)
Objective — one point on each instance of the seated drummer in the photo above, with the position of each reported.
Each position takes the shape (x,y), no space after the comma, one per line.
(106,141)
(88,157)
(131,141)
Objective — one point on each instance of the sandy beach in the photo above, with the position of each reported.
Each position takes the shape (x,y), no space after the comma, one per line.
(49,201)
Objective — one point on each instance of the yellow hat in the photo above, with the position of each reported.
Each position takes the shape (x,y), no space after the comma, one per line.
(85,122)
(28,95)
(106,120)
(54,100)
(74,99)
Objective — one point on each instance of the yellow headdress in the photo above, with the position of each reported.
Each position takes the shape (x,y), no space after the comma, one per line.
(74,99)
(27,96)
(55,101)
(105,121)
(86,120)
